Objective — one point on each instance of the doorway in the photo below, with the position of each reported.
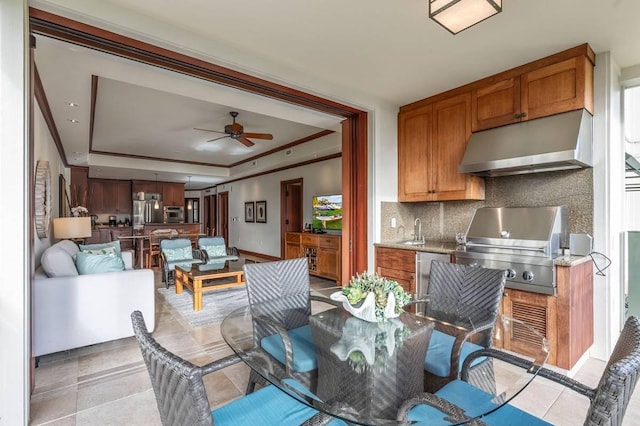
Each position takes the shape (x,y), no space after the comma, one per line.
(291,209)
(223,216)
(354,127)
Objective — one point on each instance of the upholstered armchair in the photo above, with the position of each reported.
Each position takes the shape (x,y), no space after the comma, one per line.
(215,250)
(177,252)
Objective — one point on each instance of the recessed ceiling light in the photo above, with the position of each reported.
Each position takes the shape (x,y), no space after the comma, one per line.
(73,120)
(72,104)
(77,152)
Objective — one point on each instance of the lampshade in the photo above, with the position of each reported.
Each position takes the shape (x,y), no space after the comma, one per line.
(71,227)
(458,15)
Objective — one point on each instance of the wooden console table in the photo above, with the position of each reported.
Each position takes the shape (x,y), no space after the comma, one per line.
(323,251)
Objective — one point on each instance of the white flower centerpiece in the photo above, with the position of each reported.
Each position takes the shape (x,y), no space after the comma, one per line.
(79,211)
(372,298)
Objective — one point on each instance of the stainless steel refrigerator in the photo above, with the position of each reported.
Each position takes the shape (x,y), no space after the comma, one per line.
(145,212)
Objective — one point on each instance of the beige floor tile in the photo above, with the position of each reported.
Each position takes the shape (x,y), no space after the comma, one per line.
(99,362)
(52,375)
(139,409)
(112,388)
(569,409)
(53,405)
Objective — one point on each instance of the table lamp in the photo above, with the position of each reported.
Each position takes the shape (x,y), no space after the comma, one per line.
(72,228)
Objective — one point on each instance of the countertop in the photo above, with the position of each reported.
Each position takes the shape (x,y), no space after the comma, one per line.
(450,248)
(443,247)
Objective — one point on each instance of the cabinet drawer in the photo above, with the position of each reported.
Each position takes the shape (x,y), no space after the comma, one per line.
(329,242)
(398,259)
(309,240)
(292,238)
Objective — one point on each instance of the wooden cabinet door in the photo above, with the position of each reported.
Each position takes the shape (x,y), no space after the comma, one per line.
(451,133)
(414,154)
(564,86)
(173,194)
(536,310)
(124,197)
(96,197)
(496,105)
(329,258)
(292,248)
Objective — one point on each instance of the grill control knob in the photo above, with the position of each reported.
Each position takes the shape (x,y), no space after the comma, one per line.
(511,273)
(527,275)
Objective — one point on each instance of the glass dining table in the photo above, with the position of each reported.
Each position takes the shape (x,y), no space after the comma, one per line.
(366,371)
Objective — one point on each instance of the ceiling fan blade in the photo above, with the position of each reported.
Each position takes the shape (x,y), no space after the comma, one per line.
(266,136)
(215,139)
(208,130)
(243,140)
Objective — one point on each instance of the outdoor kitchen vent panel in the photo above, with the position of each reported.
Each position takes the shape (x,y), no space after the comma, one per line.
(558,142)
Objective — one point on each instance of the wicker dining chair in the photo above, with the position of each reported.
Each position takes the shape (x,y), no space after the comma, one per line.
(609,399)
(182,398)
(468,291)
(286,336)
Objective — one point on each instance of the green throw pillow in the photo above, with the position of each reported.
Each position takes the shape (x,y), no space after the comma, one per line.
(215,251)
(180,253)
(115,244)
(88,263)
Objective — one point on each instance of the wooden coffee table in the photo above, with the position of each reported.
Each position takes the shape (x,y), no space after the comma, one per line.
(200,278)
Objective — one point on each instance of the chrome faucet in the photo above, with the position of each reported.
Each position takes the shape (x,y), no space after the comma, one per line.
(417,230)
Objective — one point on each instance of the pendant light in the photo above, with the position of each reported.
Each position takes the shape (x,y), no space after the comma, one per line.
(156,205)
(190,203)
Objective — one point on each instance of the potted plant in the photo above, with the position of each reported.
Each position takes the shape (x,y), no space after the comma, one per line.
(372,298)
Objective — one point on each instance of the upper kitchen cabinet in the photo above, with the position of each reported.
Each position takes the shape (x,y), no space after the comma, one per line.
(555,84)
(151,187)
(431,142)
(172,194)
(109,196)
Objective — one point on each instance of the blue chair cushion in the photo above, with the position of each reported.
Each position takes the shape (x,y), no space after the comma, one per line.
(438,359)
(215,251)
(474,402)
(184,263)
(266,406)
(304,352)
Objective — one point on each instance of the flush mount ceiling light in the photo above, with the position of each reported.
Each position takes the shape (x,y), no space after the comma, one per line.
(458,15)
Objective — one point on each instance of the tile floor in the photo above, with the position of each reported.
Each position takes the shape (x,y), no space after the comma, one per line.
(107,384)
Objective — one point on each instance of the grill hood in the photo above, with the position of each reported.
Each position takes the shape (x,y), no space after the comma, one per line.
(557,142)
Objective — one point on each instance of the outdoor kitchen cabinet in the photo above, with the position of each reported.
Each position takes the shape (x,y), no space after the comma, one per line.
(397,265)
(566,319)
(431,142)
(543,88)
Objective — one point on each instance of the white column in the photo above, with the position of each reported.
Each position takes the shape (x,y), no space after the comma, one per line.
(14,189)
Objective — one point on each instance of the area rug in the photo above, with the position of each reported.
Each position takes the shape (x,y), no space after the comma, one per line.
(215,304)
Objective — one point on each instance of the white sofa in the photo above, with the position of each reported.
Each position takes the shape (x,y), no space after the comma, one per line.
(70,310)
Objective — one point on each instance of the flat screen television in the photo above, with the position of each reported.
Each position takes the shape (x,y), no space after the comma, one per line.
(327,212)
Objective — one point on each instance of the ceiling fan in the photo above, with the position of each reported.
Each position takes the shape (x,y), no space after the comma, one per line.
(236,131)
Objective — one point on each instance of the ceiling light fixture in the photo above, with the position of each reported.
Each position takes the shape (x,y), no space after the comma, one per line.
(72,104)
(190,203)
(73,120)
(458,15)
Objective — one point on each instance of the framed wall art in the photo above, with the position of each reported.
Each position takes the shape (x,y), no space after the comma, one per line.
(249,211)
(261,211)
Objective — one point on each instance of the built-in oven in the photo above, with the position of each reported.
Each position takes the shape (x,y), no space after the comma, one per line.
(173,214)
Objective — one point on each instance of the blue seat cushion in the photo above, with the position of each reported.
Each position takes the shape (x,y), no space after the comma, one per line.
(474,402)
(266,406)
(304,352)
(184,263)
(438,359)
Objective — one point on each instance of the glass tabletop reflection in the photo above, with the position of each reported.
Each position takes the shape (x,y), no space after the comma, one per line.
(365,371)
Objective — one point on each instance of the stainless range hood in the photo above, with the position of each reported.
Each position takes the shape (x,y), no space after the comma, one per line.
(557,142)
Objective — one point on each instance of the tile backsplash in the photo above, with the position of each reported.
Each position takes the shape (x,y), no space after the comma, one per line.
(442,220)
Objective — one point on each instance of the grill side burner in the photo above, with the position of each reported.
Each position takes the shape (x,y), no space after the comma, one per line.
(524,241)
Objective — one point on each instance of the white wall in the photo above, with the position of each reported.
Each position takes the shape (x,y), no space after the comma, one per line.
(318,178)
(45,149)
(14,191)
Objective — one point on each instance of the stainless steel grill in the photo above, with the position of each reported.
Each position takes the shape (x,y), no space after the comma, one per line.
(524,241)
